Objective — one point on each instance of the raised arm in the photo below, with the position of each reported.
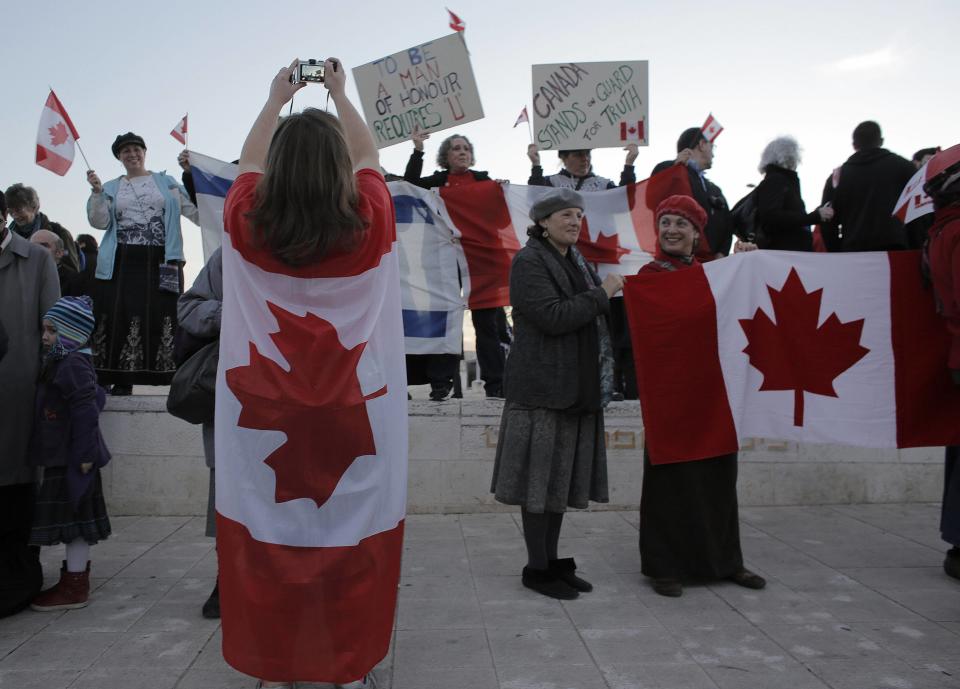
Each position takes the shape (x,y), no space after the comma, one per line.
(253,155)
(363,150)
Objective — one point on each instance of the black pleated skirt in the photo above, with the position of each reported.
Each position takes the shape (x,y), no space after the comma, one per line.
(689,519)
(136,320)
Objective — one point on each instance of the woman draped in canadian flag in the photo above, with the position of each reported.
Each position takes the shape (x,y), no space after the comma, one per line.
(689,519)
(311,426)
(943,186)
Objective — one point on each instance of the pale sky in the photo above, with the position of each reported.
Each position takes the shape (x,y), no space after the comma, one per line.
(811,70)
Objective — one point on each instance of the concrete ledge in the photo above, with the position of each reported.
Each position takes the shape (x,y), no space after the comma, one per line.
(158,466)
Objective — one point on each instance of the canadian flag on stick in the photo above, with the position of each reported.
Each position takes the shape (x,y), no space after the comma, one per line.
(456,23)
(711,128)
(836,348)
(632,131)
(56,137)
(180,131)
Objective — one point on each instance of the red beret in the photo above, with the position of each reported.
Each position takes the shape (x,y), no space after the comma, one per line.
(684,206)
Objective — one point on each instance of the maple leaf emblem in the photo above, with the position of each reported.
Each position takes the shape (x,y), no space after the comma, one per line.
(794,353)
(318,403)
(58,133)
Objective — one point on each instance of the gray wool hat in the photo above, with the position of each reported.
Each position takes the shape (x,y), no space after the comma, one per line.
(556,201)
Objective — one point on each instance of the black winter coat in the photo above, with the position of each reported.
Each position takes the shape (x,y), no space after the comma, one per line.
(781,212)
(542,368)
(869,184)
(719,229)
(438,179)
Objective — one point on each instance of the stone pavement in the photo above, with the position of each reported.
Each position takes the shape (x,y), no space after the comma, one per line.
(856,599)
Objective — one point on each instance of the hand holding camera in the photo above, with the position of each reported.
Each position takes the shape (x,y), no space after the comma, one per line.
(282,87)
(335,79)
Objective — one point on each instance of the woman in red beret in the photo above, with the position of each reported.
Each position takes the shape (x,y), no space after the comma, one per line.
(689,520)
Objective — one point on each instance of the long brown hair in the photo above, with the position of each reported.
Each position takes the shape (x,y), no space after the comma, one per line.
(306,202)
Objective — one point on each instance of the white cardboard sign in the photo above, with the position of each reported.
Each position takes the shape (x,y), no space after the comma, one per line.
(590,105)
(428,87)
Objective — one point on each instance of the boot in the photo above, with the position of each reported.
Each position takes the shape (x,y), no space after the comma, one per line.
(72,591)
(565,570)
(951,565)
(546,582)
(211,608)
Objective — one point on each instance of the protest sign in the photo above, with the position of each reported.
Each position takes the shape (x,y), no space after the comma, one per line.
(428,87)
(590,105)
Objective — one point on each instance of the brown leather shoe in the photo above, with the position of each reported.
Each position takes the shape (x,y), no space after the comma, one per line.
(748,579)
(72,591)
(668,587)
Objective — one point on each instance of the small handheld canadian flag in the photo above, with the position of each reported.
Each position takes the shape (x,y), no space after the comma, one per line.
(711,128)
(456,23)
(632,131)
(180,131)
(56,137)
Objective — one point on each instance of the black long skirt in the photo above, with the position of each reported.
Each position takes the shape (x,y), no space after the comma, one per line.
(136,320)
(689,519)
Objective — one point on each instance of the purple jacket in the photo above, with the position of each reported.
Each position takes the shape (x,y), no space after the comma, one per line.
(66,431)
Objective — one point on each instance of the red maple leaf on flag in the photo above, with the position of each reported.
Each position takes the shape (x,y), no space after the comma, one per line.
(795,353)
(318,404)
(58,133)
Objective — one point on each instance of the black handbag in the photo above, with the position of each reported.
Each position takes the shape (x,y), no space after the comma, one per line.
(193,389)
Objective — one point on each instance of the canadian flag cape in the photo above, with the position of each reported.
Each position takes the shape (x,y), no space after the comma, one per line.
(455,245)
(817,348)
(311,442)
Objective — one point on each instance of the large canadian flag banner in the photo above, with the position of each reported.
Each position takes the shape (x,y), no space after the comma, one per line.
(311,439)
(835,348)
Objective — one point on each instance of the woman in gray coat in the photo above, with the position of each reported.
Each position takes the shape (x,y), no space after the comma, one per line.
(559,375)
(198,313)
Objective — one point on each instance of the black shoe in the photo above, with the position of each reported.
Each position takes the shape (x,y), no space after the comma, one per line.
(748,579)
(121,390)
(211,608)
(951,565)
(564,569)
(494,393)
(546,582)
(668,587)
(440,392)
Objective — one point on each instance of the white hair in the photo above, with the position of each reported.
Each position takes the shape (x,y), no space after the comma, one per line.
(783,151)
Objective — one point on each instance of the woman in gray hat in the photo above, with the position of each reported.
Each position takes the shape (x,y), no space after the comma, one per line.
(139,269)
(559,376)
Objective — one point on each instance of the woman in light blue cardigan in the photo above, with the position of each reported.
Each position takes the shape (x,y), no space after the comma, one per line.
(139,269)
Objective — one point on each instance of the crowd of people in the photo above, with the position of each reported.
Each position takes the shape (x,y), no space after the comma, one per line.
(77,318)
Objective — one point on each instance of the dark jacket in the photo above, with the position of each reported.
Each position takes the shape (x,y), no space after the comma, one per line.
(66,431)
(863,198)
(781,212)
(719,229)
(589,182)
(542,368)
(4,341)
(438,179)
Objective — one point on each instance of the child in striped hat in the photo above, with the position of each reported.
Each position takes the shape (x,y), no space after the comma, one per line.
(68,444)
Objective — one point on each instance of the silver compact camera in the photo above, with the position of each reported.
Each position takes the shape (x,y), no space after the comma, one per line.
(310,71)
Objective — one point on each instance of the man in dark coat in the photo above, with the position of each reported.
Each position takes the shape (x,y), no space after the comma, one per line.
(863,193)
(694,151)
(71,281)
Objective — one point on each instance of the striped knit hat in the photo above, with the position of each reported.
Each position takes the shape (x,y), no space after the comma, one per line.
(73,317)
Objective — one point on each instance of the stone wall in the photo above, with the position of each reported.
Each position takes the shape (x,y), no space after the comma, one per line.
(158,465)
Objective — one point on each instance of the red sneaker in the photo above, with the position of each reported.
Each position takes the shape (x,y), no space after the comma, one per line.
(72,591)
